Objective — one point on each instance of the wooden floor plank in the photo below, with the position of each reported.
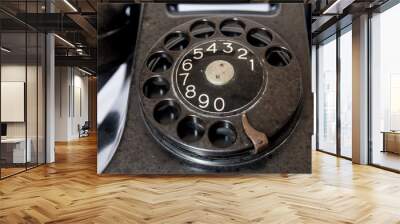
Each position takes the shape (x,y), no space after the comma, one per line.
(70,191)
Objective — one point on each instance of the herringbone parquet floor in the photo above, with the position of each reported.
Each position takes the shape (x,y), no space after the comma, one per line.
(69,191)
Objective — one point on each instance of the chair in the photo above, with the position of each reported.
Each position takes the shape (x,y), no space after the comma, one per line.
(84,129)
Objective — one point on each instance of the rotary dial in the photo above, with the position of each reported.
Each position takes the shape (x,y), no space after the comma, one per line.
(220,92)
(219,76)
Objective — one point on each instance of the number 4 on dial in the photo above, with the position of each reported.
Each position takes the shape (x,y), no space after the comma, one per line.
(212,48)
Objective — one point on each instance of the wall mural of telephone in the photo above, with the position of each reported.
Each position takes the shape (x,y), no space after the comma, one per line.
(204,89)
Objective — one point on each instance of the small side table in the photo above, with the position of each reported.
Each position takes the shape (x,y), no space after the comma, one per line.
(391,141)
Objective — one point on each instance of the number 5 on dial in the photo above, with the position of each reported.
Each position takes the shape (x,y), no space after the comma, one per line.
(198,52)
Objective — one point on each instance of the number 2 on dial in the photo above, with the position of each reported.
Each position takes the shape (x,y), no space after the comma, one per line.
(242,55)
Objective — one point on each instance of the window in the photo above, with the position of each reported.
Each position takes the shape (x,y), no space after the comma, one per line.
(334,109)
(327,96)
(385,89)
(22,78)
(346,93)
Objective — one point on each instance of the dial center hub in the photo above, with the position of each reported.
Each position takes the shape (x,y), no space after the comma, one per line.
(219,72)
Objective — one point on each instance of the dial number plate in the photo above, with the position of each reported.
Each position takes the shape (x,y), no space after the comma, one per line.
(219,76)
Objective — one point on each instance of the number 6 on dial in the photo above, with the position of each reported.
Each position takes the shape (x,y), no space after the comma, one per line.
(187,65)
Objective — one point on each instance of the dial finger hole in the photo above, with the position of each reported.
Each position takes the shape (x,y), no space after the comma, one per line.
(259,37)
(166,112)
(232,27)
(176,41)
(222,134)
(155,87)
(191,129)
(159,62)
(278,56)
(202,29)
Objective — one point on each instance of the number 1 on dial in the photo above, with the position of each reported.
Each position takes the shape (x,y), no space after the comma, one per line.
(252,64)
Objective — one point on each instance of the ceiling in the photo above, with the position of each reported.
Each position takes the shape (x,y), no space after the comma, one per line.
(74,21)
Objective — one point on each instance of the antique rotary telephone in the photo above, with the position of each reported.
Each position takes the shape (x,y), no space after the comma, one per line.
(217,90)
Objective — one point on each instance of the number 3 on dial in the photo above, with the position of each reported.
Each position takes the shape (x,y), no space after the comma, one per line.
(229,48)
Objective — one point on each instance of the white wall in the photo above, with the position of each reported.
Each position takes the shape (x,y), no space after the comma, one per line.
(71,102)
(62,81)
(17,73)
(12,73)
